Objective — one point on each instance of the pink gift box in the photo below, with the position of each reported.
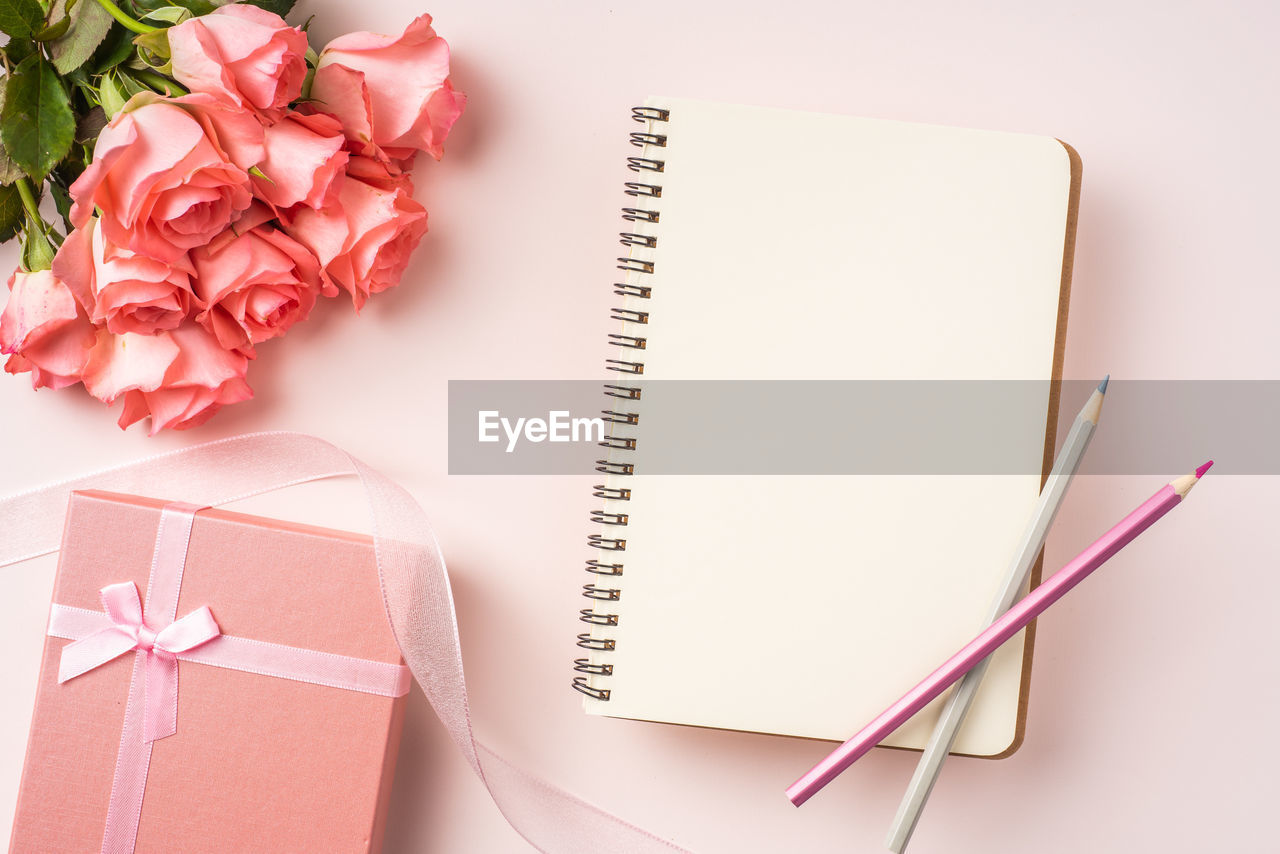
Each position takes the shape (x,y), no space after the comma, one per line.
(258,763)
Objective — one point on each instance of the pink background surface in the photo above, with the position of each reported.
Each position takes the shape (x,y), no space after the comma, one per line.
(1149,727)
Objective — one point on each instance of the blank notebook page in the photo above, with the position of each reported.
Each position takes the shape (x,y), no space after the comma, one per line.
(805,246)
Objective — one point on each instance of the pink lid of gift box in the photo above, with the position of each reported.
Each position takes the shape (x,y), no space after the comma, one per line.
(259,763)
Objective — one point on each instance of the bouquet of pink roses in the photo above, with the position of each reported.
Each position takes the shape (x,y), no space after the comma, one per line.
(214,176)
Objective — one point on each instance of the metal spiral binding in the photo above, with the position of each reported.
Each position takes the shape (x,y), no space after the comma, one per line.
(586,641)
(631,316)
(623,366)
(584,665)
(612,567)
(639,214)
(628,341)
(622,391)
(638,291)
(608,467)
(600,568)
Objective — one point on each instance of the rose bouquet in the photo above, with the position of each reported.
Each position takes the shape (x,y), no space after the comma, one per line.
(213,176)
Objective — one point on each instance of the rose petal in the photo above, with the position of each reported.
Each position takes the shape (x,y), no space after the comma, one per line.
(38,303)
(393,93)
(156,162)
(363,242)
(129,362)
(242,54)
(304,161)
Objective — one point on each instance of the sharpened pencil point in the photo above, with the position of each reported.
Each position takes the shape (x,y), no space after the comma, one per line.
(1204,468)
(1102,386)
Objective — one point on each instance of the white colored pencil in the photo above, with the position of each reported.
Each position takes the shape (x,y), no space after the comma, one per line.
(957,706)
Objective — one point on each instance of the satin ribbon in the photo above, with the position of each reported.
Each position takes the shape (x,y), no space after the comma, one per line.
(416,594)
(129,631)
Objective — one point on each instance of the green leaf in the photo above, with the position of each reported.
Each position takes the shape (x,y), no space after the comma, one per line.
(90,24)
(88,92)
(11,213)
(130,86)
(153,50)
(9,171)
(115,89)
(36,125)
(115,49)
(195,7)
(17,50)
(168,15)
(37,251)
(280,7)
(53,31)
(111,95)
(21,19)
(62,201)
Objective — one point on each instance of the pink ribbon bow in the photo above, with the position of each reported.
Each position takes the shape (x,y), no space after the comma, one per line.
(129,631)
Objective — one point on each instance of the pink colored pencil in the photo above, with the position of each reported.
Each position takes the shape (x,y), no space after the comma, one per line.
(1013,621)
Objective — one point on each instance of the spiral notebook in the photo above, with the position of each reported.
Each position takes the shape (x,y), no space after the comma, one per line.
(769,244)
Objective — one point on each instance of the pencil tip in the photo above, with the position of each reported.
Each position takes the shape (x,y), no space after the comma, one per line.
(1102,386)
(1204,468)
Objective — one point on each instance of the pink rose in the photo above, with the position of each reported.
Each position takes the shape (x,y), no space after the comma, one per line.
(391,93)
(256,285)
(304,162)
(124,291)
(179,378)
(240,52)
(162,184)
(363,242)
(235,132)
(379,173)
(44,330)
